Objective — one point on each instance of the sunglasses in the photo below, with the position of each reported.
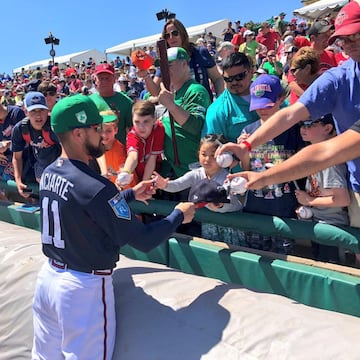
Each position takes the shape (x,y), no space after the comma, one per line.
(50,93)
(309,123)
(294,70)
(96,127)
(237,77)
(171,34)
(323,22)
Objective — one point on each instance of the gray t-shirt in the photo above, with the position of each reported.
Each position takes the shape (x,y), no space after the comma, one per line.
(332,177)
(194,176)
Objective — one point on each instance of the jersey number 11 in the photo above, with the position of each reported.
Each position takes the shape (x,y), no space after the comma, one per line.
(46,237)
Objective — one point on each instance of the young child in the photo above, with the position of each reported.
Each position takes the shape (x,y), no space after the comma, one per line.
(211,170)
(115,154)
(145,141)
(266,97)
(326,191)
(33,133)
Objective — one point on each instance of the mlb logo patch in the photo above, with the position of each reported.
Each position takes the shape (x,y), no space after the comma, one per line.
(120,207)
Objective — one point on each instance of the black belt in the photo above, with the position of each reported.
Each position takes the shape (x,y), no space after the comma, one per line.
(60,265)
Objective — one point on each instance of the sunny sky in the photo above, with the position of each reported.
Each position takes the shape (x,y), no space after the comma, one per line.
(99,25)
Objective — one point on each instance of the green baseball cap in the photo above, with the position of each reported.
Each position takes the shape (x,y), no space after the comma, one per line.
(73,112)
(177,53)
(108,116)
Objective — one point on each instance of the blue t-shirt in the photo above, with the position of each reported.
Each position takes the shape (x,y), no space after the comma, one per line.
(14,115)
(337,91)
(228,115)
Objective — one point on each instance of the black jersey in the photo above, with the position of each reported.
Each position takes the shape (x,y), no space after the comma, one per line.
(43,153)
(85,220)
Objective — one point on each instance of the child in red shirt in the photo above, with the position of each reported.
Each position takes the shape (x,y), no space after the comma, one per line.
(145,141)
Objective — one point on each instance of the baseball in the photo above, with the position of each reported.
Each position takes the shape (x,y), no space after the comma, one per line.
(238,185)
(304,212)
(224,160)
(124,178)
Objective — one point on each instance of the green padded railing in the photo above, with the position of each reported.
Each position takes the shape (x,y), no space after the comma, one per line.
(345,237)
(324,288)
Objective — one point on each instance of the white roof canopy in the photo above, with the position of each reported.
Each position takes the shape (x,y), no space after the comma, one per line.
(320,8)
(72,59)
(216,27)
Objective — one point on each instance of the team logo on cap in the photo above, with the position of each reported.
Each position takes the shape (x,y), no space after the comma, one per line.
(341,17)
(261,89)
(81,117)
(35,100)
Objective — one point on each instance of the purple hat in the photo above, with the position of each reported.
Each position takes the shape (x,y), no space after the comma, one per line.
(265,90)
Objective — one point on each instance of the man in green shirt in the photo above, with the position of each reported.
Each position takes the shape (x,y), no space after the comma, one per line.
(187,103)
(108,99)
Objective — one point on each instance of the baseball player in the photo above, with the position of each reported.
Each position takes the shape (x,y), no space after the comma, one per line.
(85,221)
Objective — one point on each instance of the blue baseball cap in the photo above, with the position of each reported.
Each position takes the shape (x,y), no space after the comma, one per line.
(265,90)
(35,100)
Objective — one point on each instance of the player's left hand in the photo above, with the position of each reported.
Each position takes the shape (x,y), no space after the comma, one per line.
(144,190)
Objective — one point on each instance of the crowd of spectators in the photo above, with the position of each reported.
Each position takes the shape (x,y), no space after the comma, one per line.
(211,94)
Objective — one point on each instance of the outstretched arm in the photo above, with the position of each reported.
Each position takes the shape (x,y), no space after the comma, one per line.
(275,125)
(311,159)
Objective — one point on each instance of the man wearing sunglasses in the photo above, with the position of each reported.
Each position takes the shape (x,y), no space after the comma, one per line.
(49,90)
(336,91)
(319,33)
(230,113)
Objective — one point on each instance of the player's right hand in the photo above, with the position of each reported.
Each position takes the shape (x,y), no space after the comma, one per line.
(188,209)
(144,191)
(160,182)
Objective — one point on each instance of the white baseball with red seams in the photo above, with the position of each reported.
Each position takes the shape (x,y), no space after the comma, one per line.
(224,160)
(238,185)
(124,178)
(304,212)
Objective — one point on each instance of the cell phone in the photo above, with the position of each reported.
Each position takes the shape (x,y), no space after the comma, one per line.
(27,190)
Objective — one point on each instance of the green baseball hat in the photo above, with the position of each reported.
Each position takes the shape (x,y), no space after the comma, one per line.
(177,53)
(108,116)
(74,112)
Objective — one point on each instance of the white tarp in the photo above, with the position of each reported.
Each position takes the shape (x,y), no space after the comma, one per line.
(125,48)
(166,314)
(72,59)
(320,8)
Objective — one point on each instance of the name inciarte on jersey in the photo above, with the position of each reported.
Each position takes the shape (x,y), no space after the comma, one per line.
(56,184)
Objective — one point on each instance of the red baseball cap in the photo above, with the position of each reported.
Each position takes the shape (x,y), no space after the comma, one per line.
(347,21)
(104,68)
